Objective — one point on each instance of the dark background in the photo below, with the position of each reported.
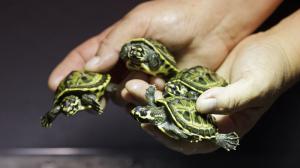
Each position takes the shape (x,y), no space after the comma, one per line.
(36,35)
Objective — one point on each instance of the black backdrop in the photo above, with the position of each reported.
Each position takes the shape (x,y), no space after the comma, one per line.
(36,35)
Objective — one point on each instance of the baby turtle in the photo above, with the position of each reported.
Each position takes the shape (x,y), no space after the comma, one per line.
(192,82)
(177,117)
(148,56)
(78,91)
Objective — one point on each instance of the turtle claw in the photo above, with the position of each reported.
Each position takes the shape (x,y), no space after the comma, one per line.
(99,111)
(45,122)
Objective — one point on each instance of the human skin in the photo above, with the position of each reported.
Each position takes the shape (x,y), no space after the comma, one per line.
(197,32)
(260,68)
(201,32)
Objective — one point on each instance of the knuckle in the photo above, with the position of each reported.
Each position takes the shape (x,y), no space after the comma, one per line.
(143,6)
(105,42)
(229,106)
(141,15)
(138,11)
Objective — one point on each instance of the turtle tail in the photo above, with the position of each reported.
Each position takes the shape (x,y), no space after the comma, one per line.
(228,141)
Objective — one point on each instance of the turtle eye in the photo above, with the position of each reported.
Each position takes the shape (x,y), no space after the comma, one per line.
(84,78)
(143,113)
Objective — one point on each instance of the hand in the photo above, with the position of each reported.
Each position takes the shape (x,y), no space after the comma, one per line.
(259,69)
(201,32)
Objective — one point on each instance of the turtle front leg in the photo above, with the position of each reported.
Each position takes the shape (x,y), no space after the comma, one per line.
(48,118)
(150,95)
(112,87)
(92,100)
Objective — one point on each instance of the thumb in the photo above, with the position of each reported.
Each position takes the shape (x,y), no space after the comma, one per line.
(226,100)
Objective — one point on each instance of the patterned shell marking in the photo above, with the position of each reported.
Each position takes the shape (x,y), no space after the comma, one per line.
(200,78)
(183,112)
(80,82)
(163,50)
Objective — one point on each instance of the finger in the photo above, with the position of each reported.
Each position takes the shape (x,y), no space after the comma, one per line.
(125,95)
(240,122)
(108,53)
(76,59)
(122,93)
(137,88)
(181,146)
(224,123)
(158,82)
(131,99)
(226,100)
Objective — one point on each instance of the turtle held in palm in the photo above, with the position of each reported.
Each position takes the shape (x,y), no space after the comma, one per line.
(175,114)
(78,91)
(177,117)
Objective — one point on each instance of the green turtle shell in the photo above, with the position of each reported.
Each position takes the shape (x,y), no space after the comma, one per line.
(164,52)
(198,79)
(81,82)
(184,115)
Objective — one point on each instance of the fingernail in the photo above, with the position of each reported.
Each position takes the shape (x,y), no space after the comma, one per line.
(93,63)
(206,105)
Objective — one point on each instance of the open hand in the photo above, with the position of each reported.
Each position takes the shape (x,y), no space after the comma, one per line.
(198,32)
(259,69)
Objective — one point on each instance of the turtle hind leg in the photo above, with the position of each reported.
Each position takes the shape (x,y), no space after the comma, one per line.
(227,141)
(112,87)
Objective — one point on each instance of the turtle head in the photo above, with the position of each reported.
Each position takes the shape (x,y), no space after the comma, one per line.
(140,56)
(134,52)
(148,114)
(70,105)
